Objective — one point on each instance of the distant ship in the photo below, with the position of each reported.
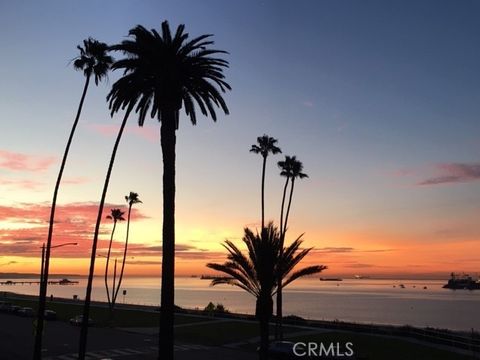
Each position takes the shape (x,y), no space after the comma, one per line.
(212,277)
(330,279)
(462,282)
(67,282)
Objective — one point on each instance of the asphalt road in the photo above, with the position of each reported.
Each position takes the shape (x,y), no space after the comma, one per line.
(61,343)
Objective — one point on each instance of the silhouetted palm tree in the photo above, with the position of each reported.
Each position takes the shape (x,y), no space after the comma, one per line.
(93,60)
(296,169)
(291,168)
(258,271)
(115,215)
(162,74)
(131,199)
(254,272)
(265,145)
(82,347)
(286,171)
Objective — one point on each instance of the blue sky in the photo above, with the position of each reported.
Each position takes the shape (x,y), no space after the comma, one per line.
(374,98)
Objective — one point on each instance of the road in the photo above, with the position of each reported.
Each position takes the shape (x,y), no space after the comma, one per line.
(61,343)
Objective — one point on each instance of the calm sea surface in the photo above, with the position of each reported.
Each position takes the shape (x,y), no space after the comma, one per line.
(365,300)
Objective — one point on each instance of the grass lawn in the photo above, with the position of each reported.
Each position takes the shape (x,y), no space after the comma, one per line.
(221,333)
(122,317)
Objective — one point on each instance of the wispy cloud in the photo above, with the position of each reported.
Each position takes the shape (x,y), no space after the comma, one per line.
(447,173)
(335,250)
(341,250)
(144,262)
(25,184)
(150,133)
(359,266)
(75,180)
(182,251)
(307,103)
(9,263)
(74,223)
(14,161)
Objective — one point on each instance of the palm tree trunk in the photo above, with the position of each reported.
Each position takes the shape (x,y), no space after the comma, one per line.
(278,327)
(283,205)
(263,312)
(288,208)
(110,315)
(124,259)
(168,140)
(86,308)
(263,191)
(263,354)
(106,265)
(282,236)
(37,352)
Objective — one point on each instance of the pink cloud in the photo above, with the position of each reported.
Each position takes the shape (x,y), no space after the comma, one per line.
(182,251)
(453,173)
(74,223)
(150,133)
(24,162)
(307,103)
(75,180)
(22,184)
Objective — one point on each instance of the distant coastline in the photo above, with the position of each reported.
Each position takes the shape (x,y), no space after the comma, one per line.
(36,276)
(433,276)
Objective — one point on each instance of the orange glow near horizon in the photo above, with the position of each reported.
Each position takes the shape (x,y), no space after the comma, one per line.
(344,253)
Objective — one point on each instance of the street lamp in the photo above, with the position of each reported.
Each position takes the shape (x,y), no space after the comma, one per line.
(43,257)
(41,302)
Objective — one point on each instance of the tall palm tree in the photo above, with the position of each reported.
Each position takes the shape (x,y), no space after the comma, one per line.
(258,271)
(286,171)
(296,173)
(131,199)
(162,74)
(82,347)
(265,145)
(115,215)
(92,60)
(291,169)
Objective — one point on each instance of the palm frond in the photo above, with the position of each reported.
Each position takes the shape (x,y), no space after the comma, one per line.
(311,270)
(167,73)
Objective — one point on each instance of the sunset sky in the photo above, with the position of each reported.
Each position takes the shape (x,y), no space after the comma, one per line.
(381,103)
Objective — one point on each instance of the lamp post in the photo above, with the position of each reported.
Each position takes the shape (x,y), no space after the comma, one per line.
(37,352)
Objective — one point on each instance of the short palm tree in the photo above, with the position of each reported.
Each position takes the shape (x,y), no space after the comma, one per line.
(265,145)
(254,272)
(115,215)
(291,169)
(258,271)
(131,200)
(94,61)
(162,74)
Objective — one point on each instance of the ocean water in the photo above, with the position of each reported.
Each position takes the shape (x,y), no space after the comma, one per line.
(362,300)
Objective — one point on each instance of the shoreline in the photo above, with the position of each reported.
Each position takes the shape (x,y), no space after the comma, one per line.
(399,277)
